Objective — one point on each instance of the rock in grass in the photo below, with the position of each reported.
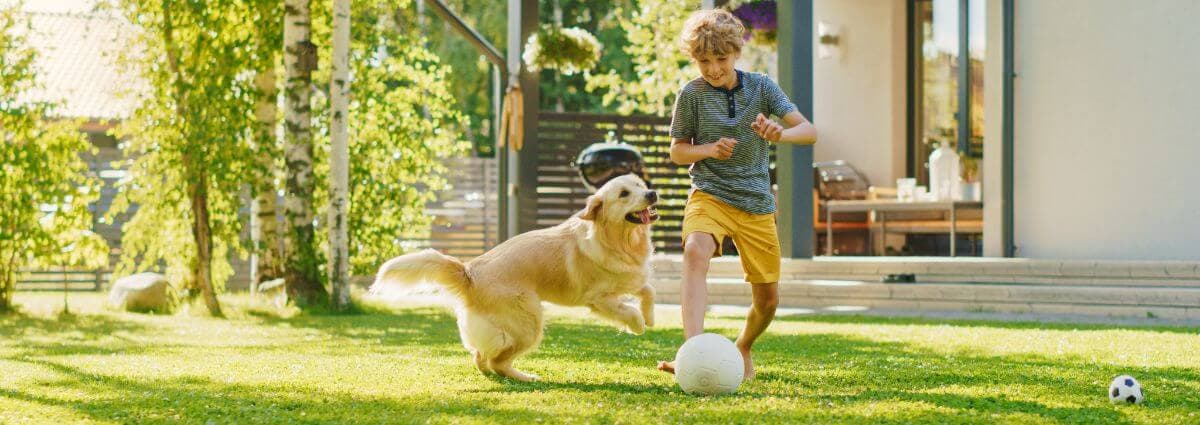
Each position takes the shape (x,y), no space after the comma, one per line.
(142,292)
(274,290)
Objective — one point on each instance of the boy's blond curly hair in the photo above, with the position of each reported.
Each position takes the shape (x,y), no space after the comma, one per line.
(713,32)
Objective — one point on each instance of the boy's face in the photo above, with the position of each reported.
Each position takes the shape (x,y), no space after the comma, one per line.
(717,70)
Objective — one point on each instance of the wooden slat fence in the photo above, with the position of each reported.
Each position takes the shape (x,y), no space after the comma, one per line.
(465,217)
(560,191)
(70,280)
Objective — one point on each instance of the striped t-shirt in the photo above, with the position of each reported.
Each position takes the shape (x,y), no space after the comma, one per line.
(704,114)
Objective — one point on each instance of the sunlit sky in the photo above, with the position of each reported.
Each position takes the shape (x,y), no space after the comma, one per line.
(945,26)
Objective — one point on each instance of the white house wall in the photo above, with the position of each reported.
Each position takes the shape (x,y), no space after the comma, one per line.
(993,115)
(859,94)
(1107,138)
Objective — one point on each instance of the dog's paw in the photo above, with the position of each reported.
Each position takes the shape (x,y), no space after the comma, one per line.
(638,327)
(518,375)
(649,318)
(525,377)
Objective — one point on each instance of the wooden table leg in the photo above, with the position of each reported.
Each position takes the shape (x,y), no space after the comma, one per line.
(882,232)
(828,231)
(953,235)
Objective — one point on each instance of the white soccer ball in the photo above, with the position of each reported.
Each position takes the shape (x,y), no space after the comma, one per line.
(709,364)
(1125,389)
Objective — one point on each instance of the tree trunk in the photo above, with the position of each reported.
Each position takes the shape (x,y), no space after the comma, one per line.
(300,59)
(339,91)
(7,282)
(8,271)
(198,179)
(202,233)
(267,254)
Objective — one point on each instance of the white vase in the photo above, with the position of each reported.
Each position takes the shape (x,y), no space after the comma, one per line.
(944,173)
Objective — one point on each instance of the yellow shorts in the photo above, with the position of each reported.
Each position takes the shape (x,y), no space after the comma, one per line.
(754,235)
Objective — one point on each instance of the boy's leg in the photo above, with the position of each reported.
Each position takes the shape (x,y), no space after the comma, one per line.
(758,243)
(693,293)
(706,221)
(698,249)
(762,312)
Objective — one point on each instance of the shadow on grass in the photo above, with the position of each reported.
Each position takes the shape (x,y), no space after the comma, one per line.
(513,386)
(69,335)
(850,370)
(861,372)
(419,326)
(192,399)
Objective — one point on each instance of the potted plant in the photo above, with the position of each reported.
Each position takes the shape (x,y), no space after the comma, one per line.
(567,50)
(971,187)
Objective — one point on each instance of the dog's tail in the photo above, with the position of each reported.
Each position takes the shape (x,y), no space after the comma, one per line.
(419,267)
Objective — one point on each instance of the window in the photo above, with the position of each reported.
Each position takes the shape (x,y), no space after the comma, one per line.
(941,88)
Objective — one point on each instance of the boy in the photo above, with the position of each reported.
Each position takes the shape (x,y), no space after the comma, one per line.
(720,127)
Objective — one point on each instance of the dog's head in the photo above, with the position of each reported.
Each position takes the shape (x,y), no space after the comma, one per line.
(623,199)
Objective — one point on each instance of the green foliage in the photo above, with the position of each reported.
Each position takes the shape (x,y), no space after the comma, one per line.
(660,68)
(408,366)
(599,17)
(469,76)
(191,127)
(566,50)
(403,124)
(470,82)
(45,186)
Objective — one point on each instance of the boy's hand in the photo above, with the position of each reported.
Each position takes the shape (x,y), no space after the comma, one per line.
(722,149)
(766,128)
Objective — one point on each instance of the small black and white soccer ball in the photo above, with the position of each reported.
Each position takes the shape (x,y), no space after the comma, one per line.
(1125,390)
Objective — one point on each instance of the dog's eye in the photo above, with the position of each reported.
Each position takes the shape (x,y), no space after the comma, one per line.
(624,193)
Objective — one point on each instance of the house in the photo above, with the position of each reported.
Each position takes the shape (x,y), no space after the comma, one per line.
(75,69)
(1101,133)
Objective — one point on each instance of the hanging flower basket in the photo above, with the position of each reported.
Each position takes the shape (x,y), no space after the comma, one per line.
(759,19)
(567,50)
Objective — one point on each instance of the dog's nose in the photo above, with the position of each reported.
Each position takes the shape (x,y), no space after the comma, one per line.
(652,196)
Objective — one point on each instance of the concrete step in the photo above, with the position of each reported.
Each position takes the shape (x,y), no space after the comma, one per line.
(960,292)
(968,270)
(1169,303)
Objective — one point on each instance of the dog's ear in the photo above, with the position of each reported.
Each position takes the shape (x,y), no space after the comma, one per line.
(593,208)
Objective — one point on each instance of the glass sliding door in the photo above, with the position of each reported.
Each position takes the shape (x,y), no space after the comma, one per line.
(976,48)
(945,90)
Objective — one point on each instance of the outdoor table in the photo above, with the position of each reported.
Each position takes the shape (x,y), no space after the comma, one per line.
(882,206)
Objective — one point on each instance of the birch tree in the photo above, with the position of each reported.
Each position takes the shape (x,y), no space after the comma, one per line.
(265,238)
(301,260)
(403,123)
(339,91)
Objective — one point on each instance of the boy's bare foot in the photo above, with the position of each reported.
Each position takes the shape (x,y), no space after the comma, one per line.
(668,367)
(749,374)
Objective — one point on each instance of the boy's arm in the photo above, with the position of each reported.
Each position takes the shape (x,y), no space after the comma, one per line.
(683,152)
(798,129)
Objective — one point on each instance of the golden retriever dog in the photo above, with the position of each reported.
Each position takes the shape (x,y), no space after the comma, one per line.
(594,259)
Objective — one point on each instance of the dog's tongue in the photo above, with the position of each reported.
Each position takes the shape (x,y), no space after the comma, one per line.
(645,216)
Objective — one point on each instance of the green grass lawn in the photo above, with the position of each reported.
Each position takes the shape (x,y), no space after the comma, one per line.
(406,365)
